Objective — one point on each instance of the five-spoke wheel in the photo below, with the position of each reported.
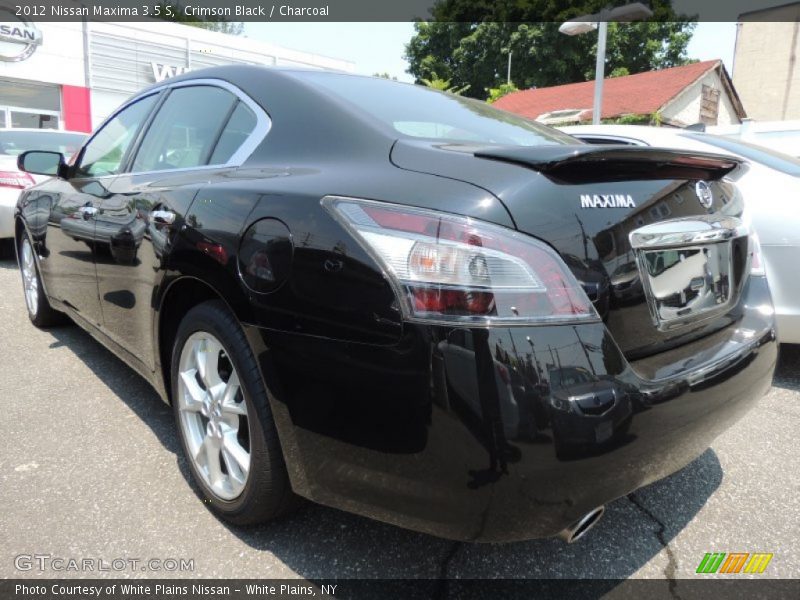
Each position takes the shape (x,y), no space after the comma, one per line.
(224,418)
(213,415)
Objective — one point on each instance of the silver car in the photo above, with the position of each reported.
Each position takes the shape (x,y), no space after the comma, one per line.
(771,190)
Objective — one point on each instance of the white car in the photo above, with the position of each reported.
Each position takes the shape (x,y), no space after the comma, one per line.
(783,136)
(771,192)
(14,142)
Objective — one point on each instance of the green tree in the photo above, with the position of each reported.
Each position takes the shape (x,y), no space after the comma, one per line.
(384,75)
(443,85)
(468,43)
(502,90)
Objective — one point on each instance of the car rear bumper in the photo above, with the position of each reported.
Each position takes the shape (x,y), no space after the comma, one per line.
(781,264)
(8,203)
(379,430)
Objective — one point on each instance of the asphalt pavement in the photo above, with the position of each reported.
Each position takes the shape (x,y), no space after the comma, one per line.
(90,468)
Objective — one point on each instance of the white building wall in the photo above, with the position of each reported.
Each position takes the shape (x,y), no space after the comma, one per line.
(127,57)
(767,65)
(124,58)
(58,60)
(685,109)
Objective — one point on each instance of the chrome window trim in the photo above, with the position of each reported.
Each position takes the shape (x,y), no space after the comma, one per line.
(260,131)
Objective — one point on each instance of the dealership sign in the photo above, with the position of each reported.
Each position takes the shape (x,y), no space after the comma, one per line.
(18,39)
(162,72)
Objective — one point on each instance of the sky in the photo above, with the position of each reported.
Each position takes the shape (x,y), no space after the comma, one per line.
(378,47)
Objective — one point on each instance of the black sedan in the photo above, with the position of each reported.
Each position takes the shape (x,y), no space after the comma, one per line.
(355,291)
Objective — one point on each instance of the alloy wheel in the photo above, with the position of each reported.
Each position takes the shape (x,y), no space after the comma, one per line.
(30,280)
(213,415)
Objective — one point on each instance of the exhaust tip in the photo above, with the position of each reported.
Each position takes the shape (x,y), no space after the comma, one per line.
(580,527)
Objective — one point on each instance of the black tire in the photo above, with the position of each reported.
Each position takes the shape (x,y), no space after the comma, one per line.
(41,314)
(267,492)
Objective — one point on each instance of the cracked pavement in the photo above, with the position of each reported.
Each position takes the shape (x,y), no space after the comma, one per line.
(91,467)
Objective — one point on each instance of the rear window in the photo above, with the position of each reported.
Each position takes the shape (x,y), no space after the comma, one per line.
(14,143)
(771,158)
(416,111)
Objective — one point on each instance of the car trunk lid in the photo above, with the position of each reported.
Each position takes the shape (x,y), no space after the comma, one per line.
(586,201)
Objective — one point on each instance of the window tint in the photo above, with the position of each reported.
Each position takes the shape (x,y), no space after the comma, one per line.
(183,133)
(105,152)
(240,125)
(417,111)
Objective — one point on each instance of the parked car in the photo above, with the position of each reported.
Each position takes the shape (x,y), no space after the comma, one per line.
(299,270)
(770,185)
(14,142)
(781,136)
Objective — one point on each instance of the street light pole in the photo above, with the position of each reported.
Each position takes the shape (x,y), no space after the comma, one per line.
(629,12)
(599,71)
(508,76)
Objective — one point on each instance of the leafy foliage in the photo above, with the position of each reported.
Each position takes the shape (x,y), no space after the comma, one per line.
(437,83)
(468,42)
(502,90)
(654,119)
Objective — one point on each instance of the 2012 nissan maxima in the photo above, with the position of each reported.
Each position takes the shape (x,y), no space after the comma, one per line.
(396,301)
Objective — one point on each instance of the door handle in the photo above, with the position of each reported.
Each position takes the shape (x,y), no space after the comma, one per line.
(88,212)
(164,217)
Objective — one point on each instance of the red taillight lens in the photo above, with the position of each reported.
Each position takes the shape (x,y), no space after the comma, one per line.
(453,268)
(16,179)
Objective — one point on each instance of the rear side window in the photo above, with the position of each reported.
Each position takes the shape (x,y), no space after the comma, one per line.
(239,127)
(420,112)
(185,131)
(104,154)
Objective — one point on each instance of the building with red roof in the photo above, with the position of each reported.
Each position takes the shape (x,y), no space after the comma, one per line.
(700,92)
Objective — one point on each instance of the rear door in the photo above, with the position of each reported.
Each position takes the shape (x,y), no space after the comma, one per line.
(193,138)
(72,240)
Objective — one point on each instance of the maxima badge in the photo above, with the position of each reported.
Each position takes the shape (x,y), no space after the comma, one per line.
(607,201)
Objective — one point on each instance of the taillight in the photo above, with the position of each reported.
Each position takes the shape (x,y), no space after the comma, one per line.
(16,179)
(451,268)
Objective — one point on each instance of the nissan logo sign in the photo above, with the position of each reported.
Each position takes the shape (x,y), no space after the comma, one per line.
(18,39)
(704,194)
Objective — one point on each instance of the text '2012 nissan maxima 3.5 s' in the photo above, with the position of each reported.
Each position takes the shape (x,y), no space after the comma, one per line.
(398,302)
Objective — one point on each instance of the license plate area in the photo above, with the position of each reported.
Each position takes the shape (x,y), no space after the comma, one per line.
(687,284)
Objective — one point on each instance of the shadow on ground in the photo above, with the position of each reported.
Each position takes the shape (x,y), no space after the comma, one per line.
(318,542)
(787,373)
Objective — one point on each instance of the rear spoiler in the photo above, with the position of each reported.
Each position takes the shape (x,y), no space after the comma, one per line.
(591,163)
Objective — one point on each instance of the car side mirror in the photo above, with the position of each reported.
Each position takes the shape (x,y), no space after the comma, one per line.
(42,162)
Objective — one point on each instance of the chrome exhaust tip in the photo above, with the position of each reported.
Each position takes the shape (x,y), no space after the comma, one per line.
(579,528)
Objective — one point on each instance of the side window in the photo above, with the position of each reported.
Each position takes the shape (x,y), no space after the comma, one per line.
(238,128)
(104,154)
(185,130)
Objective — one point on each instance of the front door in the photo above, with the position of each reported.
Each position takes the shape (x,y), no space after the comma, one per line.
(139,220)
(73,240)
(69,246)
